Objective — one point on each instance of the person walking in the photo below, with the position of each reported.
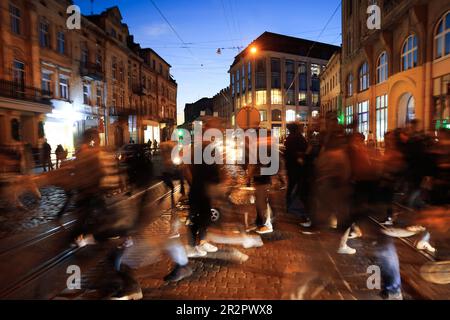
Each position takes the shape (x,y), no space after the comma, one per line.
(47,156)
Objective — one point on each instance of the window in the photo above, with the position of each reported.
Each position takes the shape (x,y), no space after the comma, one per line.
(302,98)
(261,97)
(350,85)
(15,19)
(113,33)
(302,78)
(290,74)
(315,83)
(382,68)
(261,74)
(263,115)
(99,96)
(44,34)
(249,78)
(232,84)
(315,99)
(349,115)
(63,88)
(98,59)
(61,42)
(114,68)
(238,82)
(84,57)
(302,115)
(364,77)
(442,37)
(276,96)
(86,94)
(19,76)
(290,97)
(243,78)
(409,53)
(46,83)
(382,116)
(363,117)
(276,115)
(290,115)
(275,68)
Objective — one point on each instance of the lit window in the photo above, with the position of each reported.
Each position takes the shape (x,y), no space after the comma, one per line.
(349,115)
(261,97)
(409,53)
(302,98)
(290,115)
(263,115)
(277,96)
(290,94)
(382,68)
(382,116)
(15,19)
(315,99)
(364,77)
(363,117)
(442,37)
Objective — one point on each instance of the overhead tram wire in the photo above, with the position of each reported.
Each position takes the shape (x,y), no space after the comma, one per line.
(315,42)
(173,29)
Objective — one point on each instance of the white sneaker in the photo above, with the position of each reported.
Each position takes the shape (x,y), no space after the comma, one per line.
(388,222)
(208,247)
(357,233)
(346,250)
(306,224)
(195,252)
(83,241)
(264,229)
(425,245)
(252,242)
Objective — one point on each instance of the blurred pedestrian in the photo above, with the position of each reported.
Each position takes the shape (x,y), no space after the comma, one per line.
(46,156)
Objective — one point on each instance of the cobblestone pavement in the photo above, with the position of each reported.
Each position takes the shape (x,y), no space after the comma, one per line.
(290,265)
(36,212)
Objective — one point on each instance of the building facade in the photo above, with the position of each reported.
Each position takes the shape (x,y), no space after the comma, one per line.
(279,75)
(400,72)
(63,81)
(202,107)
(330,87)
(223,106)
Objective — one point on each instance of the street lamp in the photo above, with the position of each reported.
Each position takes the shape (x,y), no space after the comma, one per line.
(253,50)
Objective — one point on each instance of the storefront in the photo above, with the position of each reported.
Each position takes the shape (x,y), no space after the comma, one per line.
(151,131)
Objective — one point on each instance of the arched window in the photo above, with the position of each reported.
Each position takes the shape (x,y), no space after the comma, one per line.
(350,85)
(276,115)
(442,37)
(409,53)
(364,77)
(382,68)
(15,129)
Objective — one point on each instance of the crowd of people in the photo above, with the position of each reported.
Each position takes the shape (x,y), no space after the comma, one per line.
(334,179)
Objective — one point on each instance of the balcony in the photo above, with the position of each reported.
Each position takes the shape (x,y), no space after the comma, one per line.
(14,90)
(91,71)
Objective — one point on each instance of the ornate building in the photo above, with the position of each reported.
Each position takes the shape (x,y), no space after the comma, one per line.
(400,72)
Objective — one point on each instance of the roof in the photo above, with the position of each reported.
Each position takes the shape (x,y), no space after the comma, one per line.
(156,54)
(270,41)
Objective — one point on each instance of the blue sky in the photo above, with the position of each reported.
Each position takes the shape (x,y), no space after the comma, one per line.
(206,25)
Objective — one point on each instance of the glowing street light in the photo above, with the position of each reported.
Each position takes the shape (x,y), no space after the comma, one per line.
(253,50)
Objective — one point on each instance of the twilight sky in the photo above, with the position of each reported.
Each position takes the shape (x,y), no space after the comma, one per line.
(206,25)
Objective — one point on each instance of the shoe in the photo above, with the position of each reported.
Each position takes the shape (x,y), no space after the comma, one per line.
(252,242)
(346,250)
(178,273)
(83,241)
(195,252)
(388,222)
(127,295)
(392,295)
(264,230)
(356,233)
(425,245)
(307,223)
(208,247)
(416,229)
